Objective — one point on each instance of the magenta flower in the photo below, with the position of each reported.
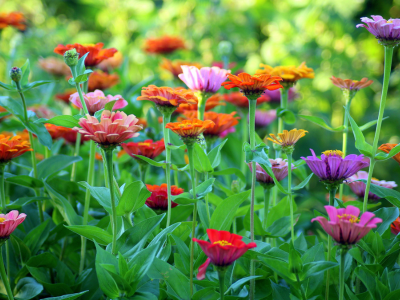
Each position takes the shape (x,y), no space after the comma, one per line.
(96,101)
(9,222)
(383,30)
(358,187)
(224,133)
(279,167)
(264,118)
(344,226)
(332,168)
(275,95)
(206,79)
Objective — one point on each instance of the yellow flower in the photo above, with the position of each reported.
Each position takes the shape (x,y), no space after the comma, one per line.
(288,138)
(289,74)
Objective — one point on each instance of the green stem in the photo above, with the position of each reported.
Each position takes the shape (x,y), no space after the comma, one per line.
(284,105)
(289,158)
(332,193)
(2,189)
(109,162)
(206,199)
(341,274)
(4,277)
(245,139)
(201,105)
(78,88)
(166,120)
(142,170)
(303,294)
(221,277)
(386,77)
(267,194)
(90,181)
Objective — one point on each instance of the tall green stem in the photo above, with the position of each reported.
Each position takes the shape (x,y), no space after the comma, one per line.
(4,277)
(166,120)
(332,193)
(2,189)
(142,170)
(206,200)
(303,294)
(245,139)
(341,273)
(289,158)
(109,162)
(386,77)
(267,193)
(284,104)
(221,277)
(201,105)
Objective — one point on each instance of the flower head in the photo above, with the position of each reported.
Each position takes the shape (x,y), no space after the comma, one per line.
(388,32)
(344,225)
(12,147)
(189,130)
(237,99)
(14,19)
(159,196)
(100,80)
(148,148)
(289,74)
(358,187)
(207,80)
(395,226)
(222,250)
(71,135)
(264,118)
(214,101)
(175,67)
(96,52)
(54,66)
(252,86)
(275,95)
(353,85)
(113,128)
(387,147)
(287,139)
(164,45)
(96,101)
(8,223)
(56,131)
(279,167)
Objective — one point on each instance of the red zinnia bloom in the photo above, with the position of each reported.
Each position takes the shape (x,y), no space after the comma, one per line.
(148,148)
(96,53)
(164,45)
(190,129)
(224,249)
(166,96)
(395,226)
(159,196)
(56,131)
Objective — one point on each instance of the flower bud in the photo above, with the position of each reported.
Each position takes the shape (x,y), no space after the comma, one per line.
(15,74)
(225,48)
(71,57)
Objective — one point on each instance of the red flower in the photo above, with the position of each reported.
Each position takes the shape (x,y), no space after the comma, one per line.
(159,196)
(65,96)
(100,80)
(224,249)
(14,19)
(395,226)
(164,45)
(70,137)
(147,148)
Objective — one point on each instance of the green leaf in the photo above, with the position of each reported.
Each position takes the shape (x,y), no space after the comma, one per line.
(258,155)
(383,156)
(27,288)
(280,227)
(102,195)
(303,183)
(92,233)
(80,67)
(391,195)
(54,164)
(239,283)
(322,123)
(203,188)
(388,215)
(258,227)
(361,144)
(230,171)
(24,180)
(21,250)
(7,87)
(268,169)
(215,154)
(34,84)
(64,120)
(110,105)
(369,124)
(201,162)
(107,282)
(25,70)
(133,198)
(151,162)
(37,236)
(68,297)
(316,268)
(279,292)
(287,115)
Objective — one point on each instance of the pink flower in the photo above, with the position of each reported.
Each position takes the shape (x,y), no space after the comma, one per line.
(96,101)
(9,222)
(382,29)
(113,128)
(344,226)
(279,167)
(264,118)
(206,79)
(224,133)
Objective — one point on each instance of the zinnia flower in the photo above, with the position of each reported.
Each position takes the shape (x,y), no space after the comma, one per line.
(332,168)
(159,196)
(113,128)
(164,45)
(70,136)
(206,80)
(12,147)
(54,66)
(214,101)
(65,96)
(222,250)
(387,147)
(8,223)
(353,85)
(344,226)
(96,52)
(395,226)
(148,148)
(287,139)
(96,101)
(275,95)
(175,67)
(279,167)
(289,74)
(253,86)
(388,32)
(14,19)
(237,99)
(358,187)
(189,130)
(112,63)
(166,96)
(264,118)
(99,80)
(56,131)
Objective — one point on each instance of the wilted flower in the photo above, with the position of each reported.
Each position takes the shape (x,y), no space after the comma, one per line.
(54,66)
(8,223)
(175,67)
(147,148)
(14,19)
(159,196)
(207,80)
(388,32)
(99,80)
(289,74)
(164,45)
(214,101)
(222,250)
(237,99)
(189,130)
(12,147)
(96,101)
(387,147)
(344,226)
(287,139)
(279,167)
(112,62)
(65,96)
(353,85)
(395,226)
(264,118)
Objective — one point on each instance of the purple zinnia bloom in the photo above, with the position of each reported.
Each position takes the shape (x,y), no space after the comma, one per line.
(279,167)
(332,168)
(383,30)
(275,95)
(358,187)
(344,226)
(264,118)
(206,79)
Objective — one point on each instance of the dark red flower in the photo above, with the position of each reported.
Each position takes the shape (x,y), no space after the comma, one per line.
(159,196)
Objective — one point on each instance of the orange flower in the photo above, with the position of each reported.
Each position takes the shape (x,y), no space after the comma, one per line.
(99,80)
(387,147)
(189,130)
(112,62)
(164,45)
(237,99)
(345,198)
(252,86)
(98,156)
(54,66)
(213,101)
(12,147)
(287,138)
(65,96)
(175,67)
(56,131)
(395,226)
(166,96)
(142,122)
(289,74)
(349,84)
(14,19)
(158,199)
(96,53)
(148,148)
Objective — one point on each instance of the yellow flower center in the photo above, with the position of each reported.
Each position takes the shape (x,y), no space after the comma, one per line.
(390,21)
(144,144)
(373,178)
(2,220)
(351,218)
(333,152)
(223,243)
(355,81)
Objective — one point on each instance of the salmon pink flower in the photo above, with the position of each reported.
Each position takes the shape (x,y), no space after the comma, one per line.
(387,32)
(12,147)
(395,226)
(264,118)
(70,137)
(96,101)
(279,167)
(164,45)
(387,147)
(148,148)
(111,63)
(56,131)
(352,85)
(8,223)
(54,66)
(222,250)
(206,80)
(344,226)
(159,196)
(99,80)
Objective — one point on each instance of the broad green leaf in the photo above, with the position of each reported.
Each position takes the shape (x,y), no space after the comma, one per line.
(110,105)
(388,215)
(391,195)
(23,180)
(383,156)
(214,155)
(54,164)
(102,195)
(322,123)
(7,87)
(201,162)
(133,198)
(80,67)
(236,285)
(258,155)
(34,84)
(303,183)
(25,70)
(361,144)
(203,188)
(63,120)
(68,297)
(151,162)
(27,288)
(230,171)
(92,233)
(287,115)
(268,169)
(316,268)
(37,236)
(107,282)
(369,124)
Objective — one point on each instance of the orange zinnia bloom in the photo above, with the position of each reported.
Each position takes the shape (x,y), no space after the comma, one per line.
(166,96)
(99,80)
(98,156)
(112,62)
(14,19)
(142,122)
(148,148)
(56,131)
(12,147)
(54,66)
(175,67)
(349,84)
(96,53)
(288,138)
(387,147)
(189,130)
(237,99)
(252,86)
(164,45)
(213,101)
(289,74)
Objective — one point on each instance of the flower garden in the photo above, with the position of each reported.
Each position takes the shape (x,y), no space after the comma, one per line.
(181,170)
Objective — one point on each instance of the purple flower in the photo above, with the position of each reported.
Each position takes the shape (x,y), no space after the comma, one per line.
(224,133)
(358,187)
(264,118)
(206,79)
(275,95)
(332,168)
(279,167)
(344,226)
(382,29)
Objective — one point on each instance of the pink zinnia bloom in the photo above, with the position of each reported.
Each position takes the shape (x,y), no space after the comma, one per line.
(382,29)
(264,118)
(279,167)
(358,187)
(96,101)
(9,222)
(344,226)
(206,79)
(113,128)
(224,133)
